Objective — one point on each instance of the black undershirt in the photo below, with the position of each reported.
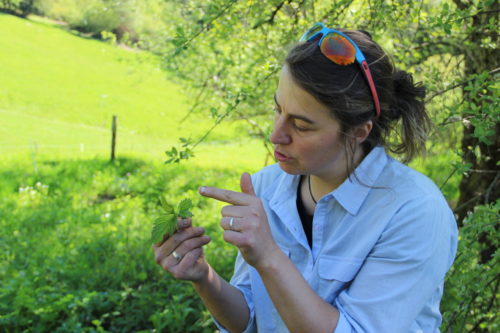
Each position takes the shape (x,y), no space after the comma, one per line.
(305,218)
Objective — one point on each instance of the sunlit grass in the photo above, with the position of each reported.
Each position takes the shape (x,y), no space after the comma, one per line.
(60,90)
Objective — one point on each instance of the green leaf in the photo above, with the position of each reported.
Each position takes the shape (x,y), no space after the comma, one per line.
(166,224)
(184,207)
(168,208)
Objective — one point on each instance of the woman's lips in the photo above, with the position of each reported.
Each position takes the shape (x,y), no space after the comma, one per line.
(280,157)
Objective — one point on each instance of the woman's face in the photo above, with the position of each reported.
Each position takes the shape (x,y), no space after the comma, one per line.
(306,138)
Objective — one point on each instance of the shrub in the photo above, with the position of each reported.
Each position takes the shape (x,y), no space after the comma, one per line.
(75,252)
(470,301)
(129,20)
(18,7)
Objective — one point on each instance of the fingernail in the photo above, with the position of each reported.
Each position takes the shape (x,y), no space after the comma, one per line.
(203,189)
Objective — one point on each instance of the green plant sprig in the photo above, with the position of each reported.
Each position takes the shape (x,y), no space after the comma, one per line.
(166,223)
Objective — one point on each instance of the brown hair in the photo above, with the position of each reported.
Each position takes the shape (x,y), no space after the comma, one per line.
(403,123)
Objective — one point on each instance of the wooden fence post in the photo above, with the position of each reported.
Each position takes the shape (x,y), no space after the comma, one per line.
(113,139)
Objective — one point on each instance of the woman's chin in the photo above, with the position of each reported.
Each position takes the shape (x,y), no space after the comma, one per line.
(289,168)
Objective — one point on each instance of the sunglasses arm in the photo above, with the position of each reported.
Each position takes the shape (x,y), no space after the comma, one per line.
(368,75)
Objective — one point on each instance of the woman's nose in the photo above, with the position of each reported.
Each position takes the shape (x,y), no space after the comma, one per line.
(279,136)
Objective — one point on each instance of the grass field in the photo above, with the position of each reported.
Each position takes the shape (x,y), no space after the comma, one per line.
(58,94)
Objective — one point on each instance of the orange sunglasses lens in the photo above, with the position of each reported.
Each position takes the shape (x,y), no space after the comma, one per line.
(338,49)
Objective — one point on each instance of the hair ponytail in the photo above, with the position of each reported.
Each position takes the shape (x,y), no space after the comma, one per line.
(408,105)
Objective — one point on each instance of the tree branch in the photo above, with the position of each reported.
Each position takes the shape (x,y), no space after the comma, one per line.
(270,20)
(489,307)
(232,107)
(462,83)
(490,188)
(474,295)
(474,198)
(448,178)
(197,99)
(203,28)
(259,130)
(479,13)
(328,16)
(461,5)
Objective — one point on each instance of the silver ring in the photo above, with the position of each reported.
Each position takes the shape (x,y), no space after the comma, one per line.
(231,222)
(176,256)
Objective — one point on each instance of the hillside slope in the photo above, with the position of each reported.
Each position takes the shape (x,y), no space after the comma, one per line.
(58,92)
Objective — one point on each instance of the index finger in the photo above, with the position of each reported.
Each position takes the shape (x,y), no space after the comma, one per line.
(232,197)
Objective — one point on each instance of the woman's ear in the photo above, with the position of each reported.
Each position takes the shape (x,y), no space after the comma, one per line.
(361,132)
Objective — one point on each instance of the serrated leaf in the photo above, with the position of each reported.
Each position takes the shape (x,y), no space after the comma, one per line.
(184,206)
(157,232)
(166,224)
(168,208)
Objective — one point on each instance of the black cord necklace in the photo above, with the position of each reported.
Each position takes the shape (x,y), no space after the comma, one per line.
(310,191)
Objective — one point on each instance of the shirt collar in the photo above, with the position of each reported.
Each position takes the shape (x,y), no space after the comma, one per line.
(353,191)
(350,194)
(283,188)
(282,196)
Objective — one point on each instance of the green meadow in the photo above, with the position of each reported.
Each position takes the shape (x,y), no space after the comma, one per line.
(58,93)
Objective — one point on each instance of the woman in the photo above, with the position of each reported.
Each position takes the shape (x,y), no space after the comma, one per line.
(338,236)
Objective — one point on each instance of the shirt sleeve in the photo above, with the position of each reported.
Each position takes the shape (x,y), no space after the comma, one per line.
(404,271)
(241,280)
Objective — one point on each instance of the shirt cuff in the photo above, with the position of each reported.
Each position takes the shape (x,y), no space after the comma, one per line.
(251,327)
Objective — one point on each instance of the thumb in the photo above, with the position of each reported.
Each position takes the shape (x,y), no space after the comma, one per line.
(246,184)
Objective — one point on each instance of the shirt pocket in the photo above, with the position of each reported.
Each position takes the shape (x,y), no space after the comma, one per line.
(335,274)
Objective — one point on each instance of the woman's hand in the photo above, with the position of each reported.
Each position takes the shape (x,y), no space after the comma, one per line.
(245,222)
(188,262)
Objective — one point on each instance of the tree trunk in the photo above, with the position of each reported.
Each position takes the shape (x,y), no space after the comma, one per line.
(481,185)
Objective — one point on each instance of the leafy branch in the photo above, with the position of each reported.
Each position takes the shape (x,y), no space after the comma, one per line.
(275,11)
(459,84)
(187,146)
(166,224)
(188,41)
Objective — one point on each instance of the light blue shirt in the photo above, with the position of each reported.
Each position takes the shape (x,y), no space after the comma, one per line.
(382,244)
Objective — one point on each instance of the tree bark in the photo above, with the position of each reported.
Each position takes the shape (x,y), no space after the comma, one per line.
(481,185)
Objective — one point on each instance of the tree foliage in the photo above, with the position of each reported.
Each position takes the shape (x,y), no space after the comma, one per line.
(141,23)
(17,7)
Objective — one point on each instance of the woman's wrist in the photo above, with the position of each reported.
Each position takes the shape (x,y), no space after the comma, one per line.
(270,261)
(205,279)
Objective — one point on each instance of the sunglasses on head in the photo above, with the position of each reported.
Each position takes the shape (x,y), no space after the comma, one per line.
(342,50)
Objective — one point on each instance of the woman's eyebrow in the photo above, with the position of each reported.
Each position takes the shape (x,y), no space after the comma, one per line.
(295,116)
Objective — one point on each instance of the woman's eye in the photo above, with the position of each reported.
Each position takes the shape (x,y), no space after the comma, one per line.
(300,128)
